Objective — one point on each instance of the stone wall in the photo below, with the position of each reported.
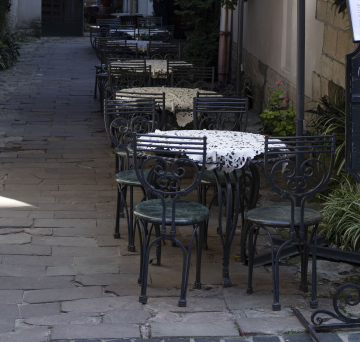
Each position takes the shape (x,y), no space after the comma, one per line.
(337,43)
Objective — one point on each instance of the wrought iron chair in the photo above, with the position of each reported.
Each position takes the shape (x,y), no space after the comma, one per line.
(127,117)
(194,77)
(163,51)
(165,210)
(149,21)
(219,113)
(127,76)
(159,103)
(295,180)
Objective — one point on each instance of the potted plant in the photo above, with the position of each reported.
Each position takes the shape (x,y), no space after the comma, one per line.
(277,118)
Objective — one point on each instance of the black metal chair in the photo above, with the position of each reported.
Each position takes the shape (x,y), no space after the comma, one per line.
(149,21)
(300,173)
(166,51)
(193,77)
(127,76)
(159,102)
(127,117)
(220,113)
(172,160)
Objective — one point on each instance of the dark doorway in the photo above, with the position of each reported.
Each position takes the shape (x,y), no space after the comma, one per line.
(62,17)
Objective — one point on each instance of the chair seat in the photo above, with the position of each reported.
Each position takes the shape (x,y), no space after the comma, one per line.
(129,177)
(121,153)
(187,212)
(209,177)
(280,216)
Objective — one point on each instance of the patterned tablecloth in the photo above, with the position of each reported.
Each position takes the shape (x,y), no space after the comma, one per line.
(177,100)
(230,148)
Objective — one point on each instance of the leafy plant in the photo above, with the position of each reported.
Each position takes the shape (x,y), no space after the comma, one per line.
(202,19)
(341,211)
(278,117)
(330,119)
(9,50)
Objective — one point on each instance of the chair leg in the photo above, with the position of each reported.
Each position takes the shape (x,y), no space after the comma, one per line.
(199,247)
(304,257)
(251,246)
(276,272)
(243,238)
(118,212)
(314,302)
(130,215)
(96,85)
(145,265)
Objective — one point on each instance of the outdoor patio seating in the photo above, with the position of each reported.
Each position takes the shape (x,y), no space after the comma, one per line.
(164,211)
(194,77)
(129,116)
(163,50)
(120,77)
(149,21)
(159,103)
(297,172)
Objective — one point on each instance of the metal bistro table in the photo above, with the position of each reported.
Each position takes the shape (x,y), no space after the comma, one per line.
(233,150)
(177,100)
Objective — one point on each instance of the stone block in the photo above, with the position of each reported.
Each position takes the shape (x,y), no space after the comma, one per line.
(63,241)
(88,331)
(269,325)
(22,271)
(24,250)
(102,304)
(31,283)
(107,279)
(74,270)
(38,334)
(39,310)
(321,10)
(8,222)
(61,318)
(60,294)
(330,40)
(36,260)
(85,251)
(126,316)
(64,223)
(11,296)
(180,329)
(15,239)
(344,45)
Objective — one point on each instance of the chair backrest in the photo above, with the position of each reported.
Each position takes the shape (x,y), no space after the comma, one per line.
(159,102)
(177,168)
(149,21)
(108,22)
(119,117)
(219,113)
(196,77)
(128,76)
(163,51)
(119,49)
(299,168)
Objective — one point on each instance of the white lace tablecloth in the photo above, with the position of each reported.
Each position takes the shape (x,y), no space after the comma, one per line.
(177,100)
(230,148)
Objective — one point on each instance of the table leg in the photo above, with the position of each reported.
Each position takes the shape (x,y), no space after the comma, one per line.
(236,200)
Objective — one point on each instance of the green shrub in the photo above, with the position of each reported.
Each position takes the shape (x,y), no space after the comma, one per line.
(9,50)
(341,210)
